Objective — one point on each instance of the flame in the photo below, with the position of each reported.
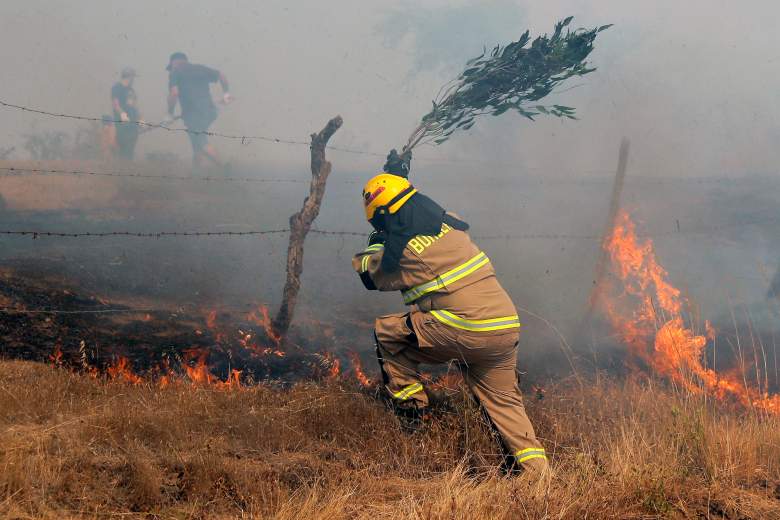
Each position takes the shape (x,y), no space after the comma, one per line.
(213,325)
(357,369)
(122,370)
(233,381)
(167,375)
(245,340)
(648,316)
(261,317)
(56,356)
(264,320)
(199,373)
(333,365)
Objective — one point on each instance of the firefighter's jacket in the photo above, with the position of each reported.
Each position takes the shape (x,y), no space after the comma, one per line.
(446,277)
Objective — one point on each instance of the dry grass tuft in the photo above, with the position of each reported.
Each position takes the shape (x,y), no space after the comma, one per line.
(72,447)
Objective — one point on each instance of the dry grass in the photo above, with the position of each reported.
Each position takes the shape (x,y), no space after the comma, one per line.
(73,447)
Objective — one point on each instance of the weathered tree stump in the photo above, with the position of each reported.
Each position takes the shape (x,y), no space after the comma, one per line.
(300,224)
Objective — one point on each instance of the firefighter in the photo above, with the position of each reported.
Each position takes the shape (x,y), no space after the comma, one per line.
(458,310)
(126,113)
(188,84)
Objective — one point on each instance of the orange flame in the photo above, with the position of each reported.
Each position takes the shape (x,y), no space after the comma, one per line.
(648,316)
(199,373)
(245,339)
(357,369)
(261,317)
(56,356)
(213,325)
(264,320)
(122,370)
(333,365)
(233,380)
(167,375)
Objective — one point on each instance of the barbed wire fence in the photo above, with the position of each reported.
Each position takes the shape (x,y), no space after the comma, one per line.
(18,171)
(678,230)
(246,139)
(14,171)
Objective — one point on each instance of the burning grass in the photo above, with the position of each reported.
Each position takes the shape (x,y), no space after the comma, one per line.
(648,313)
(76,446)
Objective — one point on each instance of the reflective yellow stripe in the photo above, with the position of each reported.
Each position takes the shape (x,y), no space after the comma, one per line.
(367,255)
(449,277)
(534,456)
(506,322)
(530,453)
(408,391)
(374,248)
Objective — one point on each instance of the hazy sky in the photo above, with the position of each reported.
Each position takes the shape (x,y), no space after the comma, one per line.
(694,84)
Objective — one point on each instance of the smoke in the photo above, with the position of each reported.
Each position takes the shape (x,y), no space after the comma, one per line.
(692,85)
(442,38)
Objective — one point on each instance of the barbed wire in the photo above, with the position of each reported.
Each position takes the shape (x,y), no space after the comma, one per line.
(221,308)
(165,234)
(153,234)
(144,124)
(524,236)
(280,140)
(14,171)
(245,139)
(11,310)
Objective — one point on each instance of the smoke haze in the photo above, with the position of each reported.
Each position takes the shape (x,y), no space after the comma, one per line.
(693,85)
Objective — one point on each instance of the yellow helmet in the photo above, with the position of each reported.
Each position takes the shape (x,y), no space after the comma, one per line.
(388,192)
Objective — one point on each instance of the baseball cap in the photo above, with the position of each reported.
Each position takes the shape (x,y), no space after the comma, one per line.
(175,56)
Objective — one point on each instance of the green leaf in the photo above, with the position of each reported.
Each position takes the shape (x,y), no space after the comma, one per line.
(510,77)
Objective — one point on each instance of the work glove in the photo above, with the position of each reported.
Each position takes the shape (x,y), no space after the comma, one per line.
(376,237)
(124,117)
(227,98)
(398,164)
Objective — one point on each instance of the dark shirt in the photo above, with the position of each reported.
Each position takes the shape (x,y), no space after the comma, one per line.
(194,95)
(127,101)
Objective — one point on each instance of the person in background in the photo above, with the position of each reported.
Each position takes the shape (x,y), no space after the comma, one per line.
(126,113)
(108,145)
(189,85)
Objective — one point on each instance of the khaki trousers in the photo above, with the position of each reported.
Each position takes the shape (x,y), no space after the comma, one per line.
(488,360)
